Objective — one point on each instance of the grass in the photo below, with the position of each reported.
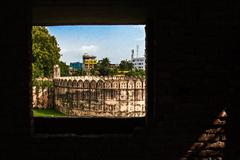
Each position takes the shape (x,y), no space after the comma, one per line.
(47,113)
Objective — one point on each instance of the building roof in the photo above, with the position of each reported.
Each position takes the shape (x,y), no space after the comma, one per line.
(87,56)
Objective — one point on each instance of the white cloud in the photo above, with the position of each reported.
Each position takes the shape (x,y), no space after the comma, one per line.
(75,55)
(88,48)
(82,49)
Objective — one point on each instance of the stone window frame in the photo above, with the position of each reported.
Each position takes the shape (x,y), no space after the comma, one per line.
(149,117)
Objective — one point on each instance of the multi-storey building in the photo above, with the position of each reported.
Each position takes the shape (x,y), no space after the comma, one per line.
(138,62)
(89,62)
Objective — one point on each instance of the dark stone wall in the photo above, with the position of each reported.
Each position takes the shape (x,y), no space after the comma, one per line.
(193,68)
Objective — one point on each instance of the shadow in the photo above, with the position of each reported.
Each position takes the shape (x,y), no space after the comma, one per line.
(80,126)
(212,142)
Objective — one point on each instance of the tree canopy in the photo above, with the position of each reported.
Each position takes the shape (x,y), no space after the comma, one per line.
(64,69)
(136,73)
(125,65)
(45,50)
(102,68)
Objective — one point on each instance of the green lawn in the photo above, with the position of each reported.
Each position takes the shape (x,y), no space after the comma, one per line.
(47,113)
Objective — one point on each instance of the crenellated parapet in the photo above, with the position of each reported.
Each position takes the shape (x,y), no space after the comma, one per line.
(96,82)
(100,96)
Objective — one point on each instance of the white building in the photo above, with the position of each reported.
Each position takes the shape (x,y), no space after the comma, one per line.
(138,62)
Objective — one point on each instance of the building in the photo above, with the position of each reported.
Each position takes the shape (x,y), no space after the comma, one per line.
(76,65)
(89,62)
(74,68)
(138,62)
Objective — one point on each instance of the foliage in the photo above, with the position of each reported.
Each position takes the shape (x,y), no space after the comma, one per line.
(102,68)
(42,83)
(113,71)
(79,72)
(125,65)
(36,72)
(94,71)
(64,69)
(83,73)
(47,113)
(136,73)
(45,52)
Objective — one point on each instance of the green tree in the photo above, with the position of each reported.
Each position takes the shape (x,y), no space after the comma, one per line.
(136,73)
(125,65)
(103,67)
(94,71)
(79,72)
(113,71)
(64,69)
(45,50)
(36,71)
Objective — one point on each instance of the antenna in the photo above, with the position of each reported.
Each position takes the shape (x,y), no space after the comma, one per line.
(132,56)
(137,50)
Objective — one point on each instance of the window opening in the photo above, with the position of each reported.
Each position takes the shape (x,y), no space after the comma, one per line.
(89,71)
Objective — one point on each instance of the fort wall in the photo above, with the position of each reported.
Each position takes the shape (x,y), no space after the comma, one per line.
(96,96)
(88,96)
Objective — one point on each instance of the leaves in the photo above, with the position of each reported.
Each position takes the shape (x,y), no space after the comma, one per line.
(42,83)
(45,50)
(136,73)
(102,68)
(64,69)
(125,65)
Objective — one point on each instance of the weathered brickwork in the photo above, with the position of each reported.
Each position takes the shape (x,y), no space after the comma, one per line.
(100,96)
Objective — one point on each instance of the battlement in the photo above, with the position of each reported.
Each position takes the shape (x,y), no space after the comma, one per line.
(100,96)
(94,82)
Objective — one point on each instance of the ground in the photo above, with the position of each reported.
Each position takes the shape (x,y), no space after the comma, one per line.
(47,113)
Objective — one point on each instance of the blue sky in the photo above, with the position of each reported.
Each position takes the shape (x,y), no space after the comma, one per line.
(112,41)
